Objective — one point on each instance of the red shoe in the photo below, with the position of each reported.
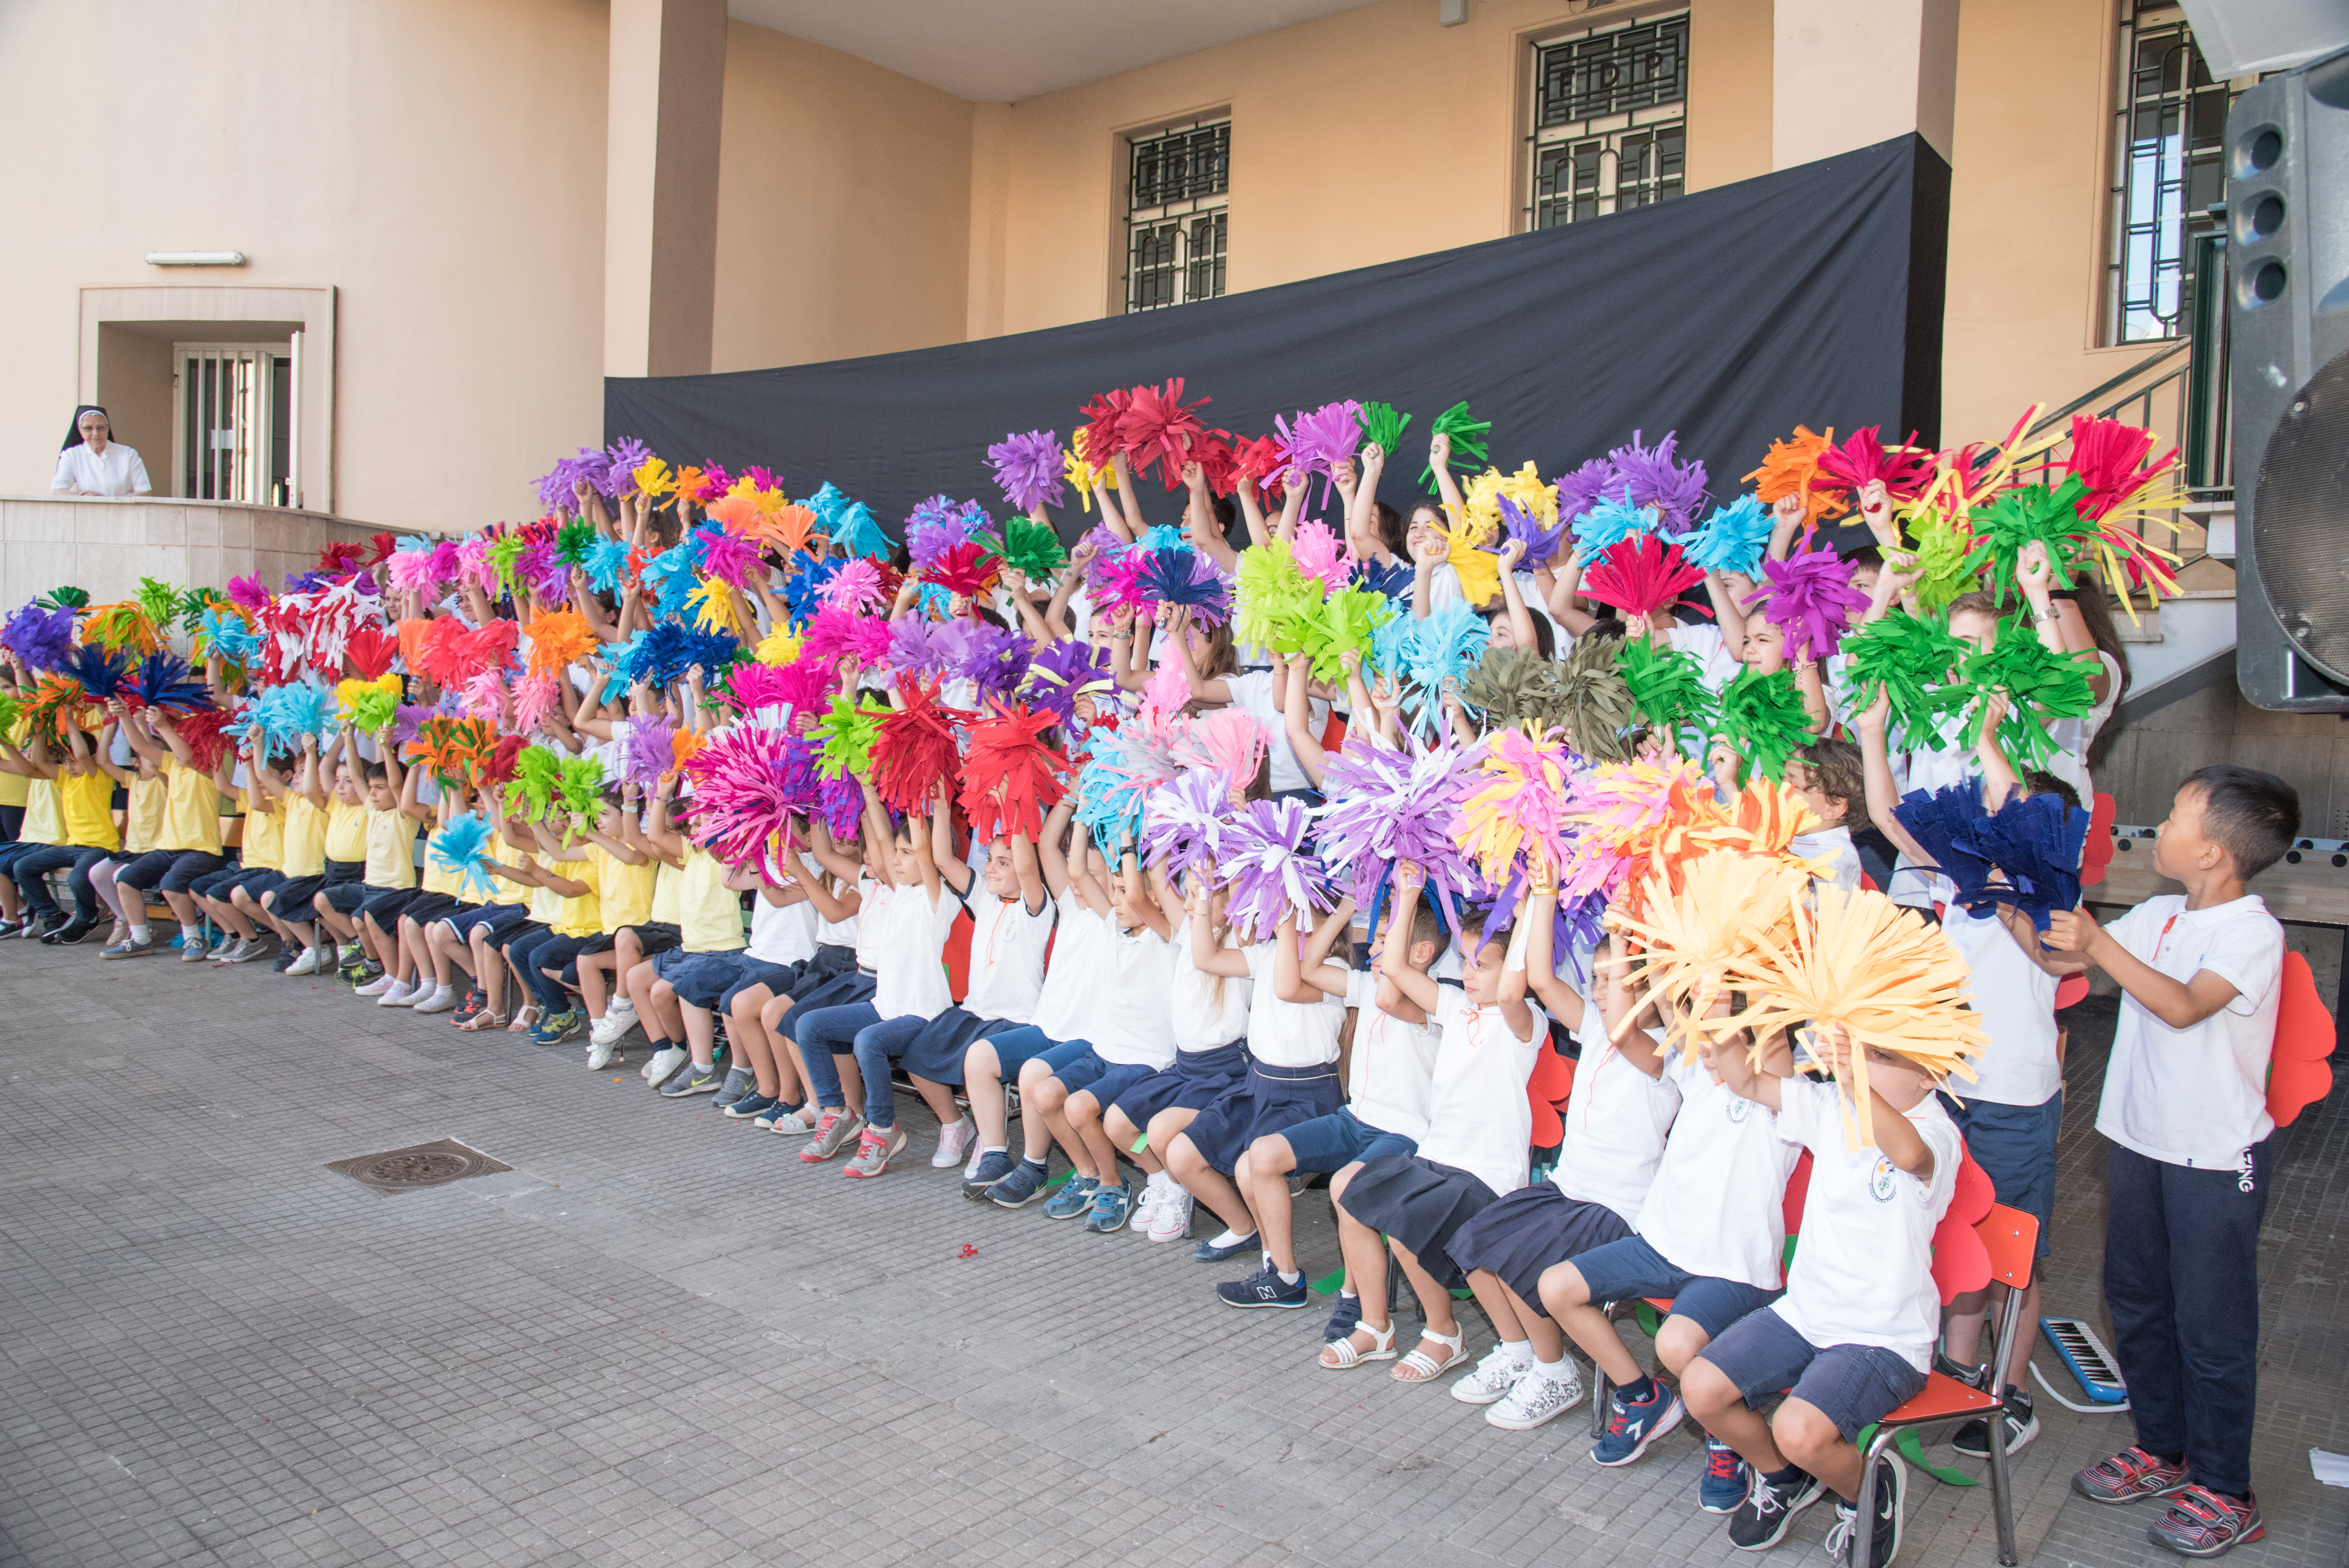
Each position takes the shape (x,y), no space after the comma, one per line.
(2131,1475)
(2205,1523)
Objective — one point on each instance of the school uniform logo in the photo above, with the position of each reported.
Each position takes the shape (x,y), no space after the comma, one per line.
(1880,1185)
(1739,1109)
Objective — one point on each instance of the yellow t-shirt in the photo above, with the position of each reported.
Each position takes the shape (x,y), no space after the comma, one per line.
(265,835)
(391,855)
(583,915)
(469,892)
(191,809)
(667,880)
(43,823)
(710,912)
(625,892)
(545,904)
(304,837)
(16,789)
(87,803)
(346,831)
(142,823)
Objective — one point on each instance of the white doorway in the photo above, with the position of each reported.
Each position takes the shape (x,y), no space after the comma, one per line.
(236,421)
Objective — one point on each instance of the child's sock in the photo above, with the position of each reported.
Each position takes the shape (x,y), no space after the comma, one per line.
(139,932)
(1556,1371)
(1784,1476)
(1229,1239)
(1520,1351)
(1289,1276)
(995,1148)
(1638,1393)
(1044,1164)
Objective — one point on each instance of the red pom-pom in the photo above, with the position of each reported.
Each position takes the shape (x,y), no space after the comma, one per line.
(915,751)
(1010,778)
(1640,575)
(964,569)
(368,651)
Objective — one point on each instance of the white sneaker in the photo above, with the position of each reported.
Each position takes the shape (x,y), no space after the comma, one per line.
(443,999)
(1537,1396)
(1490,1379)
(401,995)
(305,964)
(600,1054)
(664,1064)
(621,1008)
(1171,1221)
(375,988)
(609,1029)
(1145,1207)
(955,1141)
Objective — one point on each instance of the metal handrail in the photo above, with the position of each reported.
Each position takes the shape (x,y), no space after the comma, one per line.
(2126,377)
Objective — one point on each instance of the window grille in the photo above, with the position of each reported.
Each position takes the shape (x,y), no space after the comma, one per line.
(1610,121)
(2171,124)
(1177,223)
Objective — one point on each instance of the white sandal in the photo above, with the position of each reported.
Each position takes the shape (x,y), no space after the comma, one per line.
(524,1020)
(1423,1370)
(1381,1348)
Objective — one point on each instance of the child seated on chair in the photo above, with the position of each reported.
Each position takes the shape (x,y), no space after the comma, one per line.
(1852,1336)
(2184,1110)
(1391,1069)
(1479,1129)
(1616,1117)
(1710,1236)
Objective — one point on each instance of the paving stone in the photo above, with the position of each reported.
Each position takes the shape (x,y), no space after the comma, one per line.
(663,1339)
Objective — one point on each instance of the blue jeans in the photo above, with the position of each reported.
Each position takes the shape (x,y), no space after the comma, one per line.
(522,954)
(822,1032)
(32,867)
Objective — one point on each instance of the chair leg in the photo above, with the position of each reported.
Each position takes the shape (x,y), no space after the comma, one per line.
(1598,1402)
(1863,1535)
(2002,1504)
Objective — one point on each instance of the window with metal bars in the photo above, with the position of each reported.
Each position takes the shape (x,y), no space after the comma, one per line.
(1609,126)
(2170,121)
(1177,223)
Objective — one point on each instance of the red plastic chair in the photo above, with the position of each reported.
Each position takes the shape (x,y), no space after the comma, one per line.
(2011,1237)
(2097,854)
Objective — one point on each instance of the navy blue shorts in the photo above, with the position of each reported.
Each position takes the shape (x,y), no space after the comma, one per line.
(168,871)
(426,907)
(1196,1081)
(496,916)
(1522,1235)
(2015,1147)
(692,974)
(1332,1142)
(1629,1269)
(1853,1386)
(1104,1080)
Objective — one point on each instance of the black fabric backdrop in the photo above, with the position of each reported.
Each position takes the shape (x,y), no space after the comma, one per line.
(1809,295)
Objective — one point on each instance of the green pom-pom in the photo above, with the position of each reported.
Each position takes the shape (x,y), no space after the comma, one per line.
(2040,685)
(1667,684)
(847,731)
(1272,598)
(11,710)
(503,553)
(2027,515)
(161,600)
(1343,622)
(1942,570)
(579,784)
(192,608)
(1468,438)
(373,709)
(1762,719)
(1912,661)
(1594,700)
(65,598)
(1028,547)
(538,774)
(572,540)
(1382,425)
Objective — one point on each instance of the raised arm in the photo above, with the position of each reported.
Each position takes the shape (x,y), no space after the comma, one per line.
(1296,715)
(1876,768)
(1558,999)
(1408,993)
(944,863)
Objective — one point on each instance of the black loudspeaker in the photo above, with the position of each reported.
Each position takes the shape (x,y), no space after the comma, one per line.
(2288,323)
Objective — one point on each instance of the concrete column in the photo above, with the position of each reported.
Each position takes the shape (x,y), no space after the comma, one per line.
(660,185)
(991,218)
(1846,74)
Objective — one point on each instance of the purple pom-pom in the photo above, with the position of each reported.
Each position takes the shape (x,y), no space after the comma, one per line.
(1674,489)
(1030,469)
(1581,490)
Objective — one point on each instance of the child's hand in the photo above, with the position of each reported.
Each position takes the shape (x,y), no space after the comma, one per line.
(1408,879)
(1877,714)
(1511,553)
(1787,512)
(1432,550)
(2070,930)
(2032,569)
(1876,509)
(1994,706)
(1439,451)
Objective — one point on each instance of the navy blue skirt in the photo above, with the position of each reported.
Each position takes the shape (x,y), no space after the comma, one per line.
(1269,1099)
(840,991)
(936,1053)
(1196,1081)
(1420,1204)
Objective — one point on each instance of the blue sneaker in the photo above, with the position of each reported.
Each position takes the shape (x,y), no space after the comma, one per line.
(1073,1201)
(1022,1187)
(1631,1427)
(993,1167)
(1344,1318)
(1267,1288)
(1206,1252)
(560,1027)
(1723,1487)
(750,1107)
(1110,1207)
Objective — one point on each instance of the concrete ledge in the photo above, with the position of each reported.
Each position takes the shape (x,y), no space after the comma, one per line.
(105,546)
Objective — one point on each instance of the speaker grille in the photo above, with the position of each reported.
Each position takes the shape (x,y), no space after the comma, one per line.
(2300,519)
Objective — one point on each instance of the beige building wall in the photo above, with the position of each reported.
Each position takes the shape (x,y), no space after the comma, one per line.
(1364,137)
(843,210)
(438,163)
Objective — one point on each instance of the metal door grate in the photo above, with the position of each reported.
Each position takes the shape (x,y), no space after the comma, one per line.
(235,422)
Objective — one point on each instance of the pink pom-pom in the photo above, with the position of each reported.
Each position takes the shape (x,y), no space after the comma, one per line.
(534,696)
(1321,553)
(484,697)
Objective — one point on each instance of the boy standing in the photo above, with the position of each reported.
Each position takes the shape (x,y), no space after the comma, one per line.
(2185,1107)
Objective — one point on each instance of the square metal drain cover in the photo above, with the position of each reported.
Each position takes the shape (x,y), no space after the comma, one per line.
(422,1165)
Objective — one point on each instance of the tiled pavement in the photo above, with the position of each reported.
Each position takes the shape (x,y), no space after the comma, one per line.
(662,1340)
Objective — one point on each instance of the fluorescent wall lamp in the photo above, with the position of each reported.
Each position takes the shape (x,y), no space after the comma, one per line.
(195,258)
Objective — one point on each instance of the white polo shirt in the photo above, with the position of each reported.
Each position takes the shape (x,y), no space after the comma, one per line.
(115,471)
